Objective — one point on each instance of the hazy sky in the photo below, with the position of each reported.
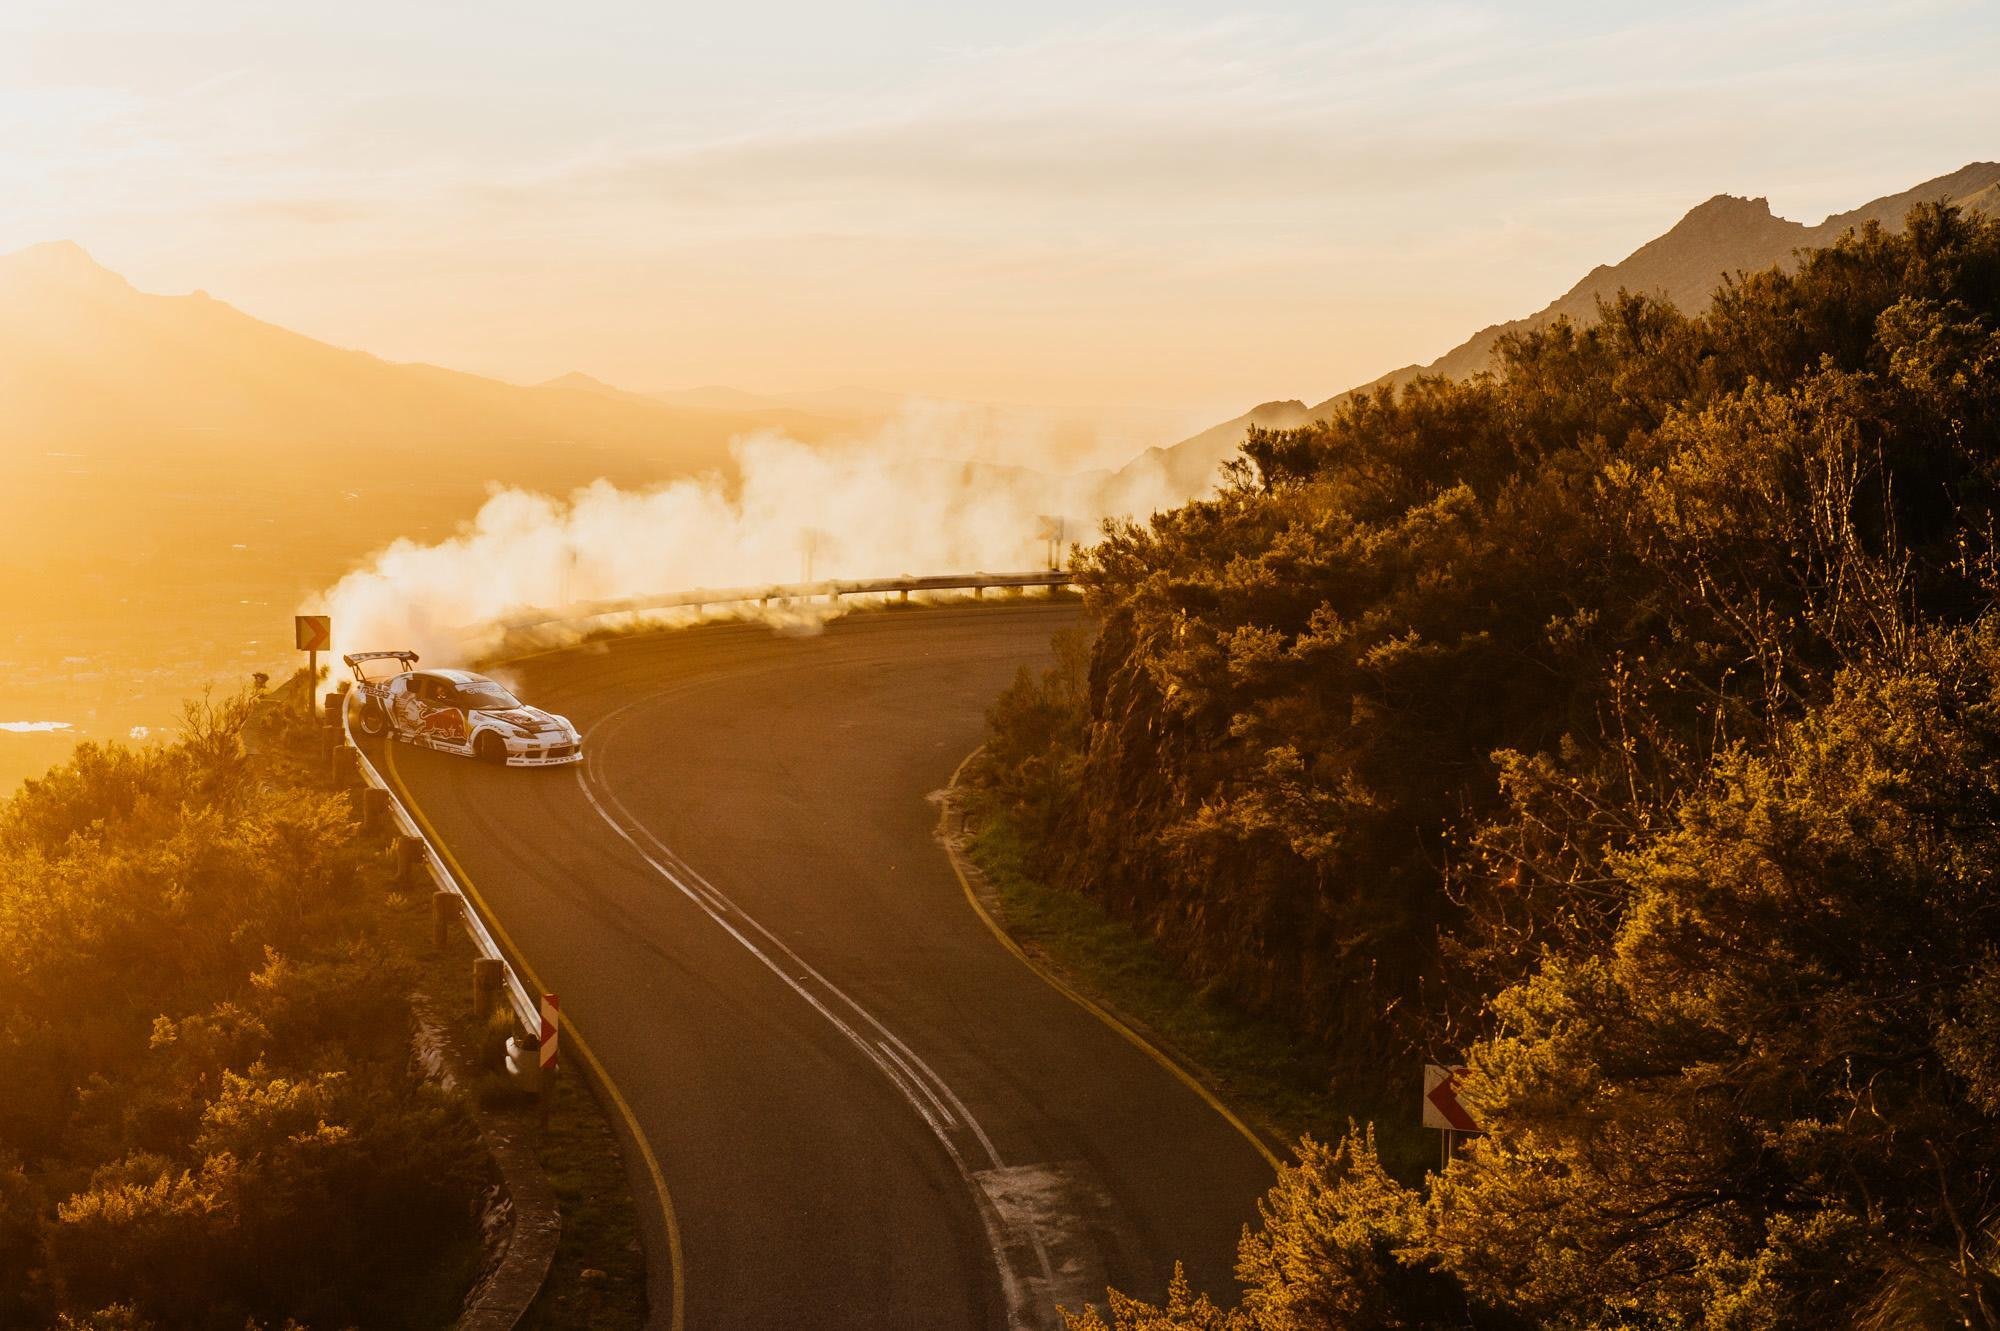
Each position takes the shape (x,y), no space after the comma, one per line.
(1188,205)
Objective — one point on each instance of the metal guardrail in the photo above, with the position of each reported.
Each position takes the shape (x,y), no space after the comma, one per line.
(831,589)
(526,1009)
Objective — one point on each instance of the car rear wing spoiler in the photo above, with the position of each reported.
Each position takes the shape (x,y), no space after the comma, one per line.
(354,660)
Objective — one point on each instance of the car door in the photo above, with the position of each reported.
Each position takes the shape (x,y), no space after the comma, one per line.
(443,719)
(406,704)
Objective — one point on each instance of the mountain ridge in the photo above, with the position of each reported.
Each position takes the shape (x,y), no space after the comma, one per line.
(1724,235)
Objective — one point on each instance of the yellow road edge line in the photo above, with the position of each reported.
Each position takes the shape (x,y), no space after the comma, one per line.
(1098,1010)
(677,1281)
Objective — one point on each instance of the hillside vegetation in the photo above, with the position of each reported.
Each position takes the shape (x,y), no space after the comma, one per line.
(1626,724)
(210,1117)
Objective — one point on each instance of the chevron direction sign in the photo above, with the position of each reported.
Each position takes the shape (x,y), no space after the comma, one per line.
(1441,1106)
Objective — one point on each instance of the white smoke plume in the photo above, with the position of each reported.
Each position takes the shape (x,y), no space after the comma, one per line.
(792,511)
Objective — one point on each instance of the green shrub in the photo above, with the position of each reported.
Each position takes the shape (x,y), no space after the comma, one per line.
(214,1121)
(1624,721)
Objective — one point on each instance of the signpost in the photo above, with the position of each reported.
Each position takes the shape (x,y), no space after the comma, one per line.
(313,634)
(538,1077)
(550,1021)
(1441,1107)
(1052,529)
(551,1026)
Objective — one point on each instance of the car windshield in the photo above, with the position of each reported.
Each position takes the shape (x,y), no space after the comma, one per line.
(485,696)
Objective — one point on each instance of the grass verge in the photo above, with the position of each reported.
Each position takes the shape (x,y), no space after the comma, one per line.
(1277,1081)
(599,1276)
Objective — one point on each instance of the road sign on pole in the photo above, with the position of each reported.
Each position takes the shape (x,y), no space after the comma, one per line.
(1442,1109)
(1052,529)
(550,1024)
(313,634)
(1441,1106)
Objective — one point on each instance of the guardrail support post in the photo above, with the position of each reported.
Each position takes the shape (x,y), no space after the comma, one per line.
(336,703)
(444,909)
(374,810)
(978,593)
(409,860)
(346,766)
(488,974)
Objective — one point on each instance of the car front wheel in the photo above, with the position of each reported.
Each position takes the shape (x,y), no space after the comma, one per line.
(490,748)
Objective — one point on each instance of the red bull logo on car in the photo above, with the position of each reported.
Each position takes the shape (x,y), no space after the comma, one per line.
(448,723)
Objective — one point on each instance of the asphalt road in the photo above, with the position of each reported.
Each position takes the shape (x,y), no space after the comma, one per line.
(867,1113)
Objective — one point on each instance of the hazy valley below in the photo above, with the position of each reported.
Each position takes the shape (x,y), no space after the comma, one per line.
(180,478)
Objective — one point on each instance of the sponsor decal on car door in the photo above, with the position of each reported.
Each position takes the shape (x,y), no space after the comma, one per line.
(437,720)
(445,724)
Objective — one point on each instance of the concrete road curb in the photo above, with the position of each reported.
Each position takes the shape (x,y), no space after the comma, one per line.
(529,1217)
(980,893)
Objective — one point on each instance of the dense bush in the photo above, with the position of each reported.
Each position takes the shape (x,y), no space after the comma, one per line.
(210,1114)
(1627,718)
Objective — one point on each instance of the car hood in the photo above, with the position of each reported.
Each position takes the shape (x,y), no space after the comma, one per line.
(529,718)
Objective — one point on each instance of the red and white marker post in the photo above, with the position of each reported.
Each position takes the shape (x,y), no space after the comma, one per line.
(1441,1107)
(546,1056)
(551,1016)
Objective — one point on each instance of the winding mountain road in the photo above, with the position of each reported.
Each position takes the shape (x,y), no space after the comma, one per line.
(857,1108)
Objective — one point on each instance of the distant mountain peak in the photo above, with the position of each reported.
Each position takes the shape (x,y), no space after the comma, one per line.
(578,379)
(1732,203)
(50,252)
(61,263)
(1727,209)
(1726,219)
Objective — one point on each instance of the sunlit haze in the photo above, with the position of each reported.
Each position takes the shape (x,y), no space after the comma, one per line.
(1085,666)
(1182,207)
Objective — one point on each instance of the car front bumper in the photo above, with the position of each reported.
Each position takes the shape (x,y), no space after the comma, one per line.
(559,754)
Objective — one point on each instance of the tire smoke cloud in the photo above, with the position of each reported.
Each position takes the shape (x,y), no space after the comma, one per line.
(790,513)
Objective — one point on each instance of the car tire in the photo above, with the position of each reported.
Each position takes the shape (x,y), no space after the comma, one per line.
(374,720)
(490,748)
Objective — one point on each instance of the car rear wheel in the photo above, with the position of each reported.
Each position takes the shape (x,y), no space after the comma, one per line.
(374,721)
(490,748)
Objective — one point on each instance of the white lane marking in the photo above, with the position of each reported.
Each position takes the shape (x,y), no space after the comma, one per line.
(943,1115)
(704,894)
(944,1086)
(906,1083)
(1005,1234)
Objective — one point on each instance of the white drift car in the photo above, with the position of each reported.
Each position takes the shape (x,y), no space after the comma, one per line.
(456,711)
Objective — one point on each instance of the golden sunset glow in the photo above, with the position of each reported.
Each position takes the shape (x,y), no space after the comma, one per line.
(1168,209)
(1064,665)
